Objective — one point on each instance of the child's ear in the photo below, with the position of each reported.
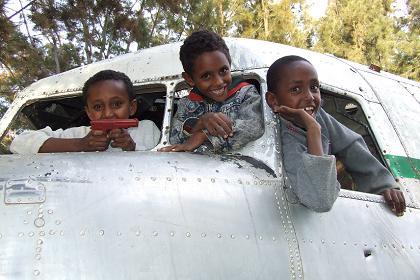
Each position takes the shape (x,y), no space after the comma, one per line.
(187,77)
(271,99)
(133,107)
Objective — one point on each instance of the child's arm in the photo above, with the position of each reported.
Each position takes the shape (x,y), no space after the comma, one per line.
(312,127)
(195,141)
(96,140)
(311,173)
(246,127)
(367,172)
(48,140)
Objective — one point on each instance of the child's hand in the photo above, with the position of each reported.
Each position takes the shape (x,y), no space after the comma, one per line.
(395,200)
(297,116)
(217,124)
(122,139)
(192,143)
(96,140)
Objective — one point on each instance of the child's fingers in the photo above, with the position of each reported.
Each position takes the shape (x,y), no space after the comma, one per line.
(166,149)
(401,202)
(116,133)
(98,132)
(389,201)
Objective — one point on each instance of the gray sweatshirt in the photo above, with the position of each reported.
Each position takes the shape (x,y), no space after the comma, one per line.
(313,179)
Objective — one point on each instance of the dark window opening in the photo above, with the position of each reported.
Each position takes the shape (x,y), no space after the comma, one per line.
(348,112)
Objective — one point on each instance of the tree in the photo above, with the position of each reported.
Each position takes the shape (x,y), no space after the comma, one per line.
(285,21)
(406,57)
(351,30)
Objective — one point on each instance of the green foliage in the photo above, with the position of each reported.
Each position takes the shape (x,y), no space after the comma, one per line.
(58,35)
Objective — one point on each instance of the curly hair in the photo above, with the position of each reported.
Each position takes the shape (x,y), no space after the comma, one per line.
(108,75)
(273,73)
(199,42)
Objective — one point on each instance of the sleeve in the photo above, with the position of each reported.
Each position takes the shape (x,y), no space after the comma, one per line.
(313,178)
(30,141)
(367,172)
(146,136)
(248,125)
(177,136)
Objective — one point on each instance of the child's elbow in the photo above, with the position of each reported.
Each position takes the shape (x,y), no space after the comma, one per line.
(321,204)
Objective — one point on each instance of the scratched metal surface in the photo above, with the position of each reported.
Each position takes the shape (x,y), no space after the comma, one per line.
(139,216)
(358,239)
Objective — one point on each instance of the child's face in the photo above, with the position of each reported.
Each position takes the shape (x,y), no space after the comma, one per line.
(211,75)
(298,88)
(109,100)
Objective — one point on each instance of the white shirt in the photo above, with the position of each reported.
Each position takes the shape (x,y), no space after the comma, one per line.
(146,136)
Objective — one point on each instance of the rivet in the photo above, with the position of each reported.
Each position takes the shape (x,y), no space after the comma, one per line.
(50,211)
(29,212)
(213,180)
(172,233)
(36,272)
(260,237)
(20,234)
(184,179)
(82,232)
(62,232)
(138,233)
(168,178)
(247,236)
(38,249)
(40,210)
(188,234)
(203,234)
(232,236)
(52,232)
(199,179)
(219,235)
(274,239)
(155,233)
(37,256)
(57,222)
(41,233)
(137,178)
(153,178)
(101,232)
(31,233)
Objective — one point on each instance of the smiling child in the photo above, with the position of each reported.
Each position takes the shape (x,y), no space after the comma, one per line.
(311,139)
(220,113)
(107,95)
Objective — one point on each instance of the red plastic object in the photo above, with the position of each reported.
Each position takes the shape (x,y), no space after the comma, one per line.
(109,124)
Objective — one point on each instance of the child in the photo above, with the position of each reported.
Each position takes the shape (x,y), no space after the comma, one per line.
(310,139)
(107,95)
(219,113)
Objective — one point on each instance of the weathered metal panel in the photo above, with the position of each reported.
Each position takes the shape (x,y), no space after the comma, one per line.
(358,239)
(150,215)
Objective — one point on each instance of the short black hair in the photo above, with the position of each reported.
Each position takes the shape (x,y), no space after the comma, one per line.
(108,75)
(200,42)
(277,67)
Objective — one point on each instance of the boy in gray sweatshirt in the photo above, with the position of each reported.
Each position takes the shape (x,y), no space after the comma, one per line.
(311,139)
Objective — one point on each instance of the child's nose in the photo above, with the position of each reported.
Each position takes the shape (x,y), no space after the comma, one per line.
(218,80)
(108,113)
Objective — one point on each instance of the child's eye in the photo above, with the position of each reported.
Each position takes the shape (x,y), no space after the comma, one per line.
(315,87)
(97,107)
(295,90)
(116,104)
(225,70)
(205,76)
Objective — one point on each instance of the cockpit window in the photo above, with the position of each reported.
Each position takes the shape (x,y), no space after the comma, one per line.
(69,112)
(348,112)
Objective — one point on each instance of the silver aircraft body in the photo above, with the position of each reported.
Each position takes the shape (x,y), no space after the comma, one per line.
(153,215)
